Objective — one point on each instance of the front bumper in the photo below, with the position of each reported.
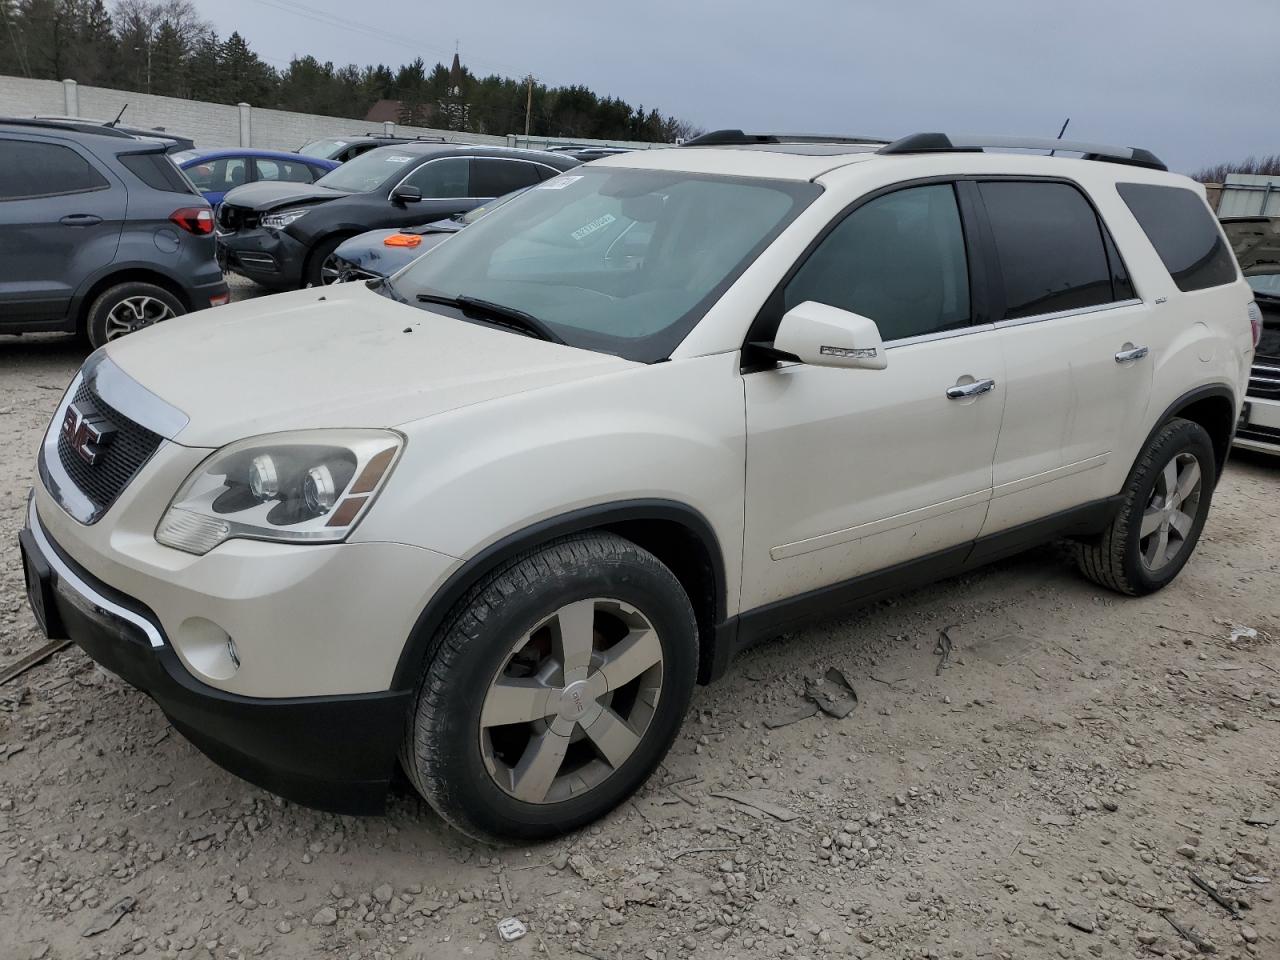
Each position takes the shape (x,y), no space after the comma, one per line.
(270,257)
(334,753)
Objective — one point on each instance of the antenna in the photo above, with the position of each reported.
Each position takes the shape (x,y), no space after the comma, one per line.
(1054,153)
(118,116)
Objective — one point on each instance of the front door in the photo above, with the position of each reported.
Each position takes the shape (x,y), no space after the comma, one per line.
(855,471)
(60,221)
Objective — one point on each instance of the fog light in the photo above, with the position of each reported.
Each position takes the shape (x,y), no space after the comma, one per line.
(207,649)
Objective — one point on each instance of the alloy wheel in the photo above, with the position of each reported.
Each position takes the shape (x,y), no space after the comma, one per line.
(1171,512)
(331,270)
(572,701)
(134,313)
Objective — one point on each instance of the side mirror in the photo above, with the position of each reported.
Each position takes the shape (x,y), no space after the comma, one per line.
(826,336)
(405,194)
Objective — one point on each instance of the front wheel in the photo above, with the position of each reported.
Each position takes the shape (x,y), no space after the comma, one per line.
(1164,508)
(555,688)
(323,266)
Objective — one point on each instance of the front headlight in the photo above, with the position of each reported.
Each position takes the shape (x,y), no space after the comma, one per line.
(278,221)
(312,486)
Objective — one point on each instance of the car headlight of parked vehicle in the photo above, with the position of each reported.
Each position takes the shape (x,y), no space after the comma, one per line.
(312,486)
(278,221)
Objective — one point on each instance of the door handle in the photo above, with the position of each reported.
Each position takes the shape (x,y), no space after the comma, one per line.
(962,391)
(1131,353)
(80,220)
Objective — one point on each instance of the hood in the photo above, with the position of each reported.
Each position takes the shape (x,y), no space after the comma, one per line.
(1256,242)
(339,356)
(367,251)
(272,194)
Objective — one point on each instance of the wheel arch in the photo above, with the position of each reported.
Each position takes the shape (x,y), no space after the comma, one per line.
(677,534)
(1213,407)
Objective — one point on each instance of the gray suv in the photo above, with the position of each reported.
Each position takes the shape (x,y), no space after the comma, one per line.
(100,233)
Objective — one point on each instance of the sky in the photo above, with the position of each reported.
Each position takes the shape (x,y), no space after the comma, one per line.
(1194,83)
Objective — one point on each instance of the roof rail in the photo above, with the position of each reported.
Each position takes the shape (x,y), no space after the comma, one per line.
(737,138)
(79,126)
(943,143)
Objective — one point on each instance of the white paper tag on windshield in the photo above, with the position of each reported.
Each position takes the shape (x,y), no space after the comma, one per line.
(397,158)
(598,224)
(558,183)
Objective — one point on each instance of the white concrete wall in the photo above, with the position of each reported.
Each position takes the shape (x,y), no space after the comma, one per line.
(208,124)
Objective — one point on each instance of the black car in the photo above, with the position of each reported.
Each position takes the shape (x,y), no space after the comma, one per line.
(343,149)
(99,233)
(282,235)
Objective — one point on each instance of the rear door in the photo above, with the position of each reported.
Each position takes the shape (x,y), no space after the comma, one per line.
(494,177)
(61,212)
(1076,342)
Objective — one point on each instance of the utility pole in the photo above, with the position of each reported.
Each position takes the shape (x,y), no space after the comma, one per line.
(528,111)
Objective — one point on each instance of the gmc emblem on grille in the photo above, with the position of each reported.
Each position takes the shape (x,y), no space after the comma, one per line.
(87,432)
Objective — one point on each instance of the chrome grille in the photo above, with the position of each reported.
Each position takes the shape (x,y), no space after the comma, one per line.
(1264,378)
(130,448)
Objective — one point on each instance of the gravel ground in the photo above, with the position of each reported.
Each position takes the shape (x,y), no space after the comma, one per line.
(1049,789)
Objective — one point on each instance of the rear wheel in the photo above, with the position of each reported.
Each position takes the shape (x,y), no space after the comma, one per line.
(127,308)
(555,689)
(1165,505)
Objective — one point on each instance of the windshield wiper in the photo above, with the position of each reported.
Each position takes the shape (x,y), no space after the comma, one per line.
(496,313)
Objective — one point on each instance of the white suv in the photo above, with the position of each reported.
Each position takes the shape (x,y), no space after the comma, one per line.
(493,519)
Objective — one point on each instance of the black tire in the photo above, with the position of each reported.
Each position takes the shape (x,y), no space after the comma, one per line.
(100,326)
(1115,559)
(311,276)
(442,752)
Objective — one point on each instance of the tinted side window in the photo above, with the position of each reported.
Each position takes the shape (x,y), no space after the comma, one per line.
(1180,227)
(899,259)
(157,171)
(32,169)
(496,178)
(1050,247)
(447,179)
(285,170)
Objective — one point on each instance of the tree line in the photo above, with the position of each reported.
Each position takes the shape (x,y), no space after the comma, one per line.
(164,47)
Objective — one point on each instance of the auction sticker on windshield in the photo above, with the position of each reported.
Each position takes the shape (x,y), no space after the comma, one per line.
(559,183)
(598,224)
(397,158)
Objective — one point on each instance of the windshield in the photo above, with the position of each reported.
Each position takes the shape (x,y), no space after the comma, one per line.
(324,149)
(618,260)
(368,171)
(1267,284)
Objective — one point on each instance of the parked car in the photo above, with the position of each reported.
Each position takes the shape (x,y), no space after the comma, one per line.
(284,235)
(99,233)
(379,253)
(172,141)
(1256,243)
(214,172)
(494,518)
(343,149)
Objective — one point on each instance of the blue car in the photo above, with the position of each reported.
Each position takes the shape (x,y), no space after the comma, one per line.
(214,172)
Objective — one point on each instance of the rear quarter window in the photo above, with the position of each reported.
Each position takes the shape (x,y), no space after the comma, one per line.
(157,171)
(1180,227)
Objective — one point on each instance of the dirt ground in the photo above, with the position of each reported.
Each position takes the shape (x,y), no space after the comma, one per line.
(1048,789)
